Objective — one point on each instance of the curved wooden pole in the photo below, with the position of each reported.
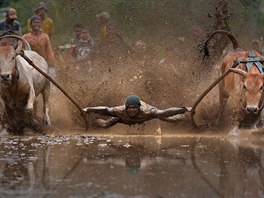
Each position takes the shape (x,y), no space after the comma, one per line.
(26,44)
(57,85)
(208,90)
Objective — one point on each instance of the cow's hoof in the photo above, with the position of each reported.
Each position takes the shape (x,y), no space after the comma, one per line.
(36,126)
(15,130)
(46,123)
(234,132)
(29,112)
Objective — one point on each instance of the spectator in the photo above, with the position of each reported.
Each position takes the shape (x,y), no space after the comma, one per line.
(111,47)
(255,45)
(47,24)
(76,39)
(77,30)
(10,26)
(113,44)
(84,47)
(103,19)
(40,42)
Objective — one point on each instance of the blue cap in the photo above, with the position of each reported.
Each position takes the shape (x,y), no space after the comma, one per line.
(132,100)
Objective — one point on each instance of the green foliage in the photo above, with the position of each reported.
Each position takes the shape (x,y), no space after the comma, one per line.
(148,19)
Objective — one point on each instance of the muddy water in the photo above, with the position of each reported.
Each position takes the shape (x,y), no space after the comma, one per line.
(131,166)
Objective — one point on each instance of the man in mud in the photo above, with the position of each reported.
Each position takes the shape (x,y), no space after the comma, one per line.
(40,42)
(135,111)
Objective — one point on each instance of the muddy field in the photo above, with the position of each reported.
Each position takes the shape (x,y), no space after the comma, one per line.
(154,159)
(131,166)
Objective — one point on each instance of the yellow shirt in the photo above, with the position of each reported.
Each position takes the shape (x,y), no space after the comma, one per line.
(47,26)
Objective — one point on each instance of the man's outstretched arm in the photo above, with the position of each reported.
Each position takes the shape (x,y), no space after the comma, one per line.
(171,111)
(101,110)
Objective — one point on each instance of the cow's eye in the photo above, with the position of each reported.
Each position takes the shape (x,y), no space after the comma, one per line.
(244,87)
(261,88)
(13,58)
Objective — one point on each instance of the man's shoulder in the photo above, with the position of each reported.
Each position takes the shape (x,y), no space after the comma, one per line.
(27,35)
(119,108)
(147,109)
(2,23)
(16,25)
(145,105)
(48,19)
(44,36)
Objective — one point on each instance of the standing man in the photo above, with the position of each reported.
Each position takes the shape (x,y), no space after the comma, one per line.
(110,45)
(84,47)
(135,111)
(40,42)
(47,24)
(103,19)
(10,26)
(76,39)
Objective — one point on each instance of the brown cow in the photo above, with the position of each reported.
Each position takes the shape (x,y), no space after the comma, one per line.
(244,85)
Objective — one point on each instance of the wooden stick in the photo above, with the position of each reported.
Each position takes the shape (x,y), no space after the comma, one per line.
(208,90)
(57,85)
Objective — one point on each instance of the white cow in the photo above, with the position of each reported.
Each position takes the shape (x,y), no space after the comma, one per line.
(20,84)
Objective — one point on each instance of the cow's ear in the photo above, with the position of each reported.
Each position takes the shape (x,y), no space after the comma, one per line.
(18,49)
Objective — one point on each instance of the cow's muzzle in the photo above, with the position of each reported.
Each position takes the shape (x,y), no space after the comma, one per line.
(252,110)
(6,77)
(6,80)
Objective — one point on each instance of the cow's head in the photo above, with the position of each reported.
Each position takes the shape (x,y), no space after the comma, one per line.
(8,69)
(252,97)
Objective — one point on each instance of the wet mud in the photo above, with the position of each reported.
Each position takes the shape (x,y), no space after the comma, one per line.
(131,166)
(155,159)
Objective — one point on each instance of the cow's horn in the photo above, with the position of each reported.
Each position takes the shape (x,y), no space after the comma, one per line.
(238,71)
(26,44)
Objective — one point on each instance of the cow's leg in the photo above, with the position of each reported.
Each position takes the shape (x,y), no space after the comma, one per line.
(260,121)
(14,126)
(31,100)
(46,94)
(33,122)
(223,98)
(235,123)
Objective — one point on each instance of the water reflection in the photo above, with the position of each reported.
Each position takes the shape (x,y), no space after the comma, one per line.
(130,166)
